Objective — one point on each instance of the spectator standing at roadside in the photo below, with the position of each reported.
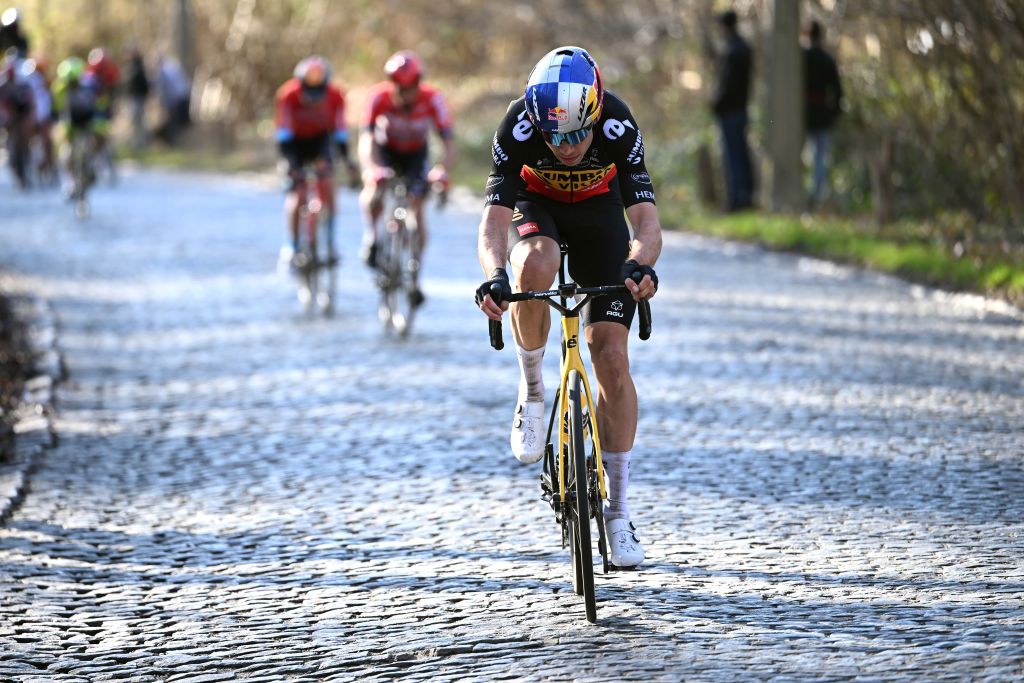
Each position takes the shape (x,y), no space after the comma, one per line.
(823,101)
(175,96)
(11,35)
(138,92)
(730,108)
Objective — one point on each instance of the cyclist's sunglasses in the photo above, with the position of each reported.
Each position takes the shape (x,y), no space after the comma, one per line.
(573,137)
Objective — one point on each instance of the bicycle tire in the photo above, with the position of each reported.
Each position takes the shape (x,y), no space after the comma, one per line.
(326,265)
(80,174)
(309,276)
(388,274)
(305,262)
(20,161)
(397,279)
(409,275)
(580,546)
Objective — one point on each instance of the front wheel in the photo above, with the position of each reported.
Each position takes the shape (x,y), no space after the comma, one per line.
(397,278)
(579,513)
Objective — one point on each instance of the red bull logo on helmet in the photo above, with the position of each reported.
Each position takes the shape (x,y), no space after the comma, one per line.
(558,114)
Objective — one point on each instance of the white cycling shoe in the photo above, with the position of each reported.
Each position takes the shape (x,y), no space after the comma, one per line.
(284,259)
(528,431)
(626,551)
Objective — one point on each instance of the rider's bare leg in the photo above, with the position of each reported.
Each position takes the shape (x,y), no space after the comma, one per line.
(416,203)
(616,395)
(370,201)
(534,263)
(293,199)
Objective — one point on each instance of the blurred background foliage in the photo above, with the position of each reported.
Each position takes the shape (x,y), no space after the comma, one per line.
(931,144)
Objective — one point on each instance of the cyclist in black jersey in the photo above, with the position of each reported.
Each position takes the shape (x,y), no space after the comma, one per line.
(568,164)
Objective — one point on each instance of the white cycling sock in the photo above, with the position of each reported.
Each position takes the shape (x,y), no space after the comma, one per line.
(616,467)
(531,377)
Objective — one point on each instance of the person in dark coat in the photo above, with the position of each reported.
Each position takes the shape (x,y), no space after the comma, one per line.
(822,104)
(729,105)
(138,91)
(11,35)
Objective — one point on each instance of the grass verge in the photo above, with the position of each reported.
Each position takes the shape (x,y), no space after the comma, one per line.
(856,242)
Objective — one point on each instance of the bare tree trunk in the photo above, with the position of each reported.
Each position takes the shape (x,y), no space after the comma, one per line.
(184,38)
(785,126)
(706,190)
(880,172)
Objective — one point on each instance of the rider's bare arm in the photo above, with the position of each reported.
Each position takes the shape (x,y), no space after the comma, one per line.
(449,152)
(366,154)
(646,245)
(492,247)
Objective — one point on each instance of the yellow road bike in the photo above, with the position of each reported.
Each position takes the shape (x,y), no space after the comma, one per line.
(572,480)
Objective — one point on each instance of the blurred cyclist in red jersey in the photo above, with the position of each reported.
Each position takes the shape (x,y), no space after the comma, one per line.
(396,127)
(310,116)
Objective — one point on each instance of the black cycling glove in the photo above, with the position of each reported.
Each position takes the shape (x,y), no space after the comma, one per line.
(342,147)
(289,150)
(630,267)
(498,277)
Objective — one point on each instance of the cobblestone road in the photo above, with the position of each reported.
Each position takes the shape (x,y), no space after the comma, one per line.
(829,474)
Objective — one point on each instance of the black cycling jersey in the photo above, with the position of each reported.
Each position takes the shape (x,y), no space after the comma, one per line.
(80,106)
(613,168)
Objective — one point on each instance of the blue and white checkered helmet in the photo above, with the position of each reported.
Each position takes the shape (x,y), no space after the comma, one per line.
(564,93)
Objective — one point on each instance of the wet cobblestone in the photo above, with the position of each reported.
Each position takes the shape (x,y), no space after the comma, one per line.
(828,475)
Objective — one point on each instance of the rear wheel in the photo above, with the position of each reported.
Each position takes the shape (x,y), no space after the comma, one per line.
(579,503)
(304,261)
(325,265)
(410,268)
(388,254)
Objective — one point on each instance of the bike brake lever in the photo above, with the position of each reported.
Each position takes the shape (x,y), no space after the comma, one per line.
(645,319)
(494,326)
(644,309)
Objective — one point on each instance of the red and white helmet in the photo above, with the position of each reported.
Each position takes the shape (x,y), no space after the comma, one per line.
(404,68)
(313,73)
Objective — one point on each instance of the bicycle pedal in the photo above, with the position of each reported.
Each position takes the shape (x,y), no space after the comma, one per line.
(616,568)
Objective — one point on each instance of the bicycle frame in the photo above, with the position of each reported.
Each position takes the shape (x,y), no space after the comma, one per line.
(572,360)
